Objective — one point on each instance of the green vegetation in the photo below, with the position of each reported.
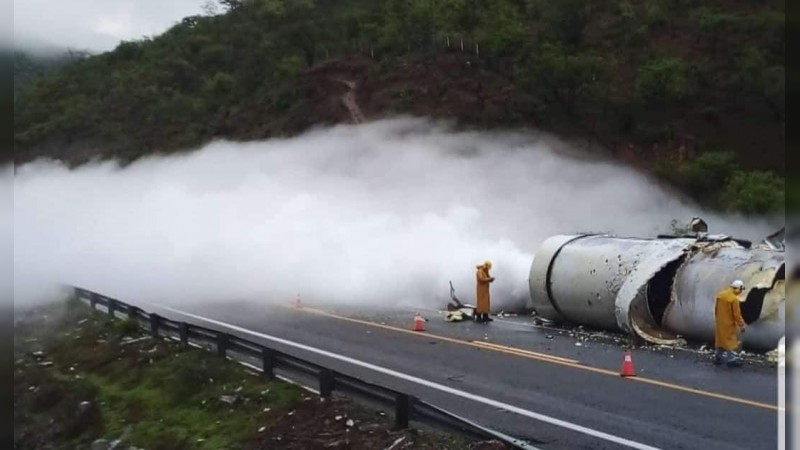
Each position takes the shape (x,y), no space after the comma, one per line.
(29,68)
(715,178)
(653,75)
(755,192)
(80,376)
(151,393)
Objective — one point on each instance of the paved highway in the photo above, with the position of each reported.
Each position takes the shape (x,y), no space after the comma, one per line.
(679,399)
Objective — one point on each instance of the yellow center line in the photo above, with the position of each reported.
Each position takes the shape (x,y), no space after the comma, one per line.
(522,352)
(546,358)
(480,345)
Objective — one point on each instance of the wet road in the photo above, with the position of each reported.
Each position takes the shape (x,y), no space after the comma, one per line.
(678,400)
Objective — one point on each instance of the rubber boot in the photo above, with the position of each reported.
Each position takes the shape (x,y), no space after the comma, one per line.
(735,363)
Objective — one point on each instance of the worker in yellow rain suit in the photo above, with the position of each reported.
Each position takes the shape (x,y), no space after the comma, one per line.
(728,321)
(483,302)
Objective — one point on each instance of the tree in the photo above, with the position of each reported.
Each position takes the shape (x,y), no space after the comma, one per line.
(765,82)
(210,8)
(563,77)
(757,192)
(664,79)
(568,20)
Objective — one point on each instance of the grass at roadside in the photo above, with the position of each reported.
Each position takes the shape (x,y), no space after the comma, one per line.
(80,376)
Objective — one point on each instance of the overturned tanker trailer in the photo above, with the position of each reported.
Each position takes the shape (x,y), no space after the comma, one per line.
(661,290)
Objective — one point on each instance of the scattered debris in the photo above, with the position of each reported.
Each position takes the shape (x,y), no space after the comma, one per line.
(396,443)
(84,406)
(777,355)
(100,444)
(457,311)
(262,429)
(350,423)
(127,340)
(488,445)
(228,399)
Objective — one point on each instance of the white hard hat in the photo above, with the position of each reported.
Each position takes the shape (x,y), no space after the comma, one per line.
(738,284)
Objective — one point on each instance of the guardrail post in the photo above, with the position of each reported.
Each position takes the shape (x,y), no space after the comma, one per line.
(402,410)
(268,363)
(111,306)
(183,332)
(133,312)
(154,322)
(222,345)
(326,382)
(93,300)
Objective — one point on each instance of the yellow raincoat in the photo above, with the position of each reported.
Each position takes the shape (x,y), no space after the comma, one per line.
(729,319)
(482,298)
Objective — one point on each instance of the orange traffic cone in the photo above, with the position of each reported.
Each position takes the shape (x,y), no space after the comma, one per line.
(627,366)
(419,322)
(297,302)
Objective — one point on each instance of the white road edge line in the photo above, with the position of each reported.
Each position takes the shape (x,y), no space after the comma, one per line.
(430,384)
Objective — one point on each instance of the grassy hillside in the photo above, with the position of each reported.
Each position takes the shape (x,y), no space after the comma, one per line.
(660,83)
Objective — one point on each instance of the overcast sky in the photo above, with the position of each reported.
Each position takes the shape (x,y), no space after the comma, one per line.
(97,25)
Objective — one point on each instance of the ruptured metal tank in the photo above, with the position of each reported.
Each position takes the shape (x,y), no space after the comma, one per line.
(659,289)
(711,268)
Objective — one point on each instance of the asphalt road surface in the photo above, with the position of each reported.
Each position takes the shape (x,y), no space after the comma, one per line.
(678,400)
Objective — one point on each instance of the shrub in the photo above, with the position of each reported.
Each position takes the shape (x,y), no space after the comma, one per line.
(755,192)
(709,171)
(127,327)
(663,80)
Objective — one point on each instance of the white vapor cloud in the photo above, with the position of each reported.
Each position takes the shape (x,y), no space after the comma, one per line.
(381,213)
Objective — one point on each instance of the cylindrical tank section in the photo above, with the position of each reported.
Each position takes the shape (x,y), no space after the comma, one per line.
(605,282)
(659,289)
(712,268)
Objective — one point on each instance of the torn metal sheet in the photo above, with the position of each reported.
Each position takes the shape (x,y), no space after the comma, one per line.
(457,311)
(714,267)
(659,289)
(776,240)
(640,301)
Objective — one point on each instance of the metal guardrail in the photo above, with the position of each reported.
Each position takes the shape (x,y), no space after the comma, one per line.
(406,407)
